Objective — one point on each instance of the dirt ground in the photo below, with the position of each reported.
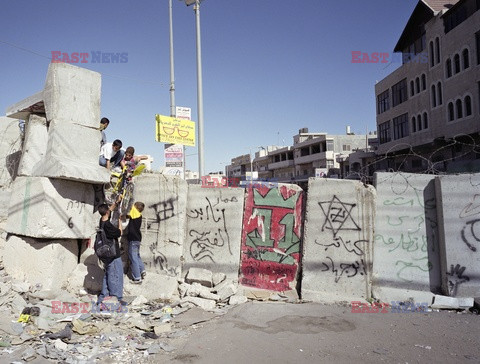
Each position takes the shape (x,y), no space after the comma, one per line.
(264,332)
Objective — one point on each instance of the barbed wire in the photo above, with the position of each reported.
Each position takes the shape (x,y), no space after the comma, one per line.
(434,160)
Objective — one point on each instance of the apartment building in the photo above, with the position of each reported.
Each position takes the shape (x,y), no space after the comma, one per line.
(428,115)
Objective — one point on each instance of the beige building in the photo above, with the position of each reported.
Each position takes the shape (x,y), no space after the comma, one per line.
(428,116)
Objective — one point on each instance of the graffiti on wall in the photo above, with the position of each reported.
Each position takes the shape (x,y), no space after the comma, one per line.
(411,229)
(208,234)
(271,237)
(339,223)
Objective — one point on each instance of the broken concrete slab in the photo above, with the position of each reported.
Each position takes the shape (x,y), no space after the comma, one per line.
(46,263)
(203,303)
(86,276)
(453,303)
(51,208)
(24,108)
(35,145)
(72,95)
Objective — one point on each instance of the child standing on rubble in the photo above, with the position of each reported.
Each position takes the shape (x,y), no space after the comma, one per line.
(113,278)
(134,236)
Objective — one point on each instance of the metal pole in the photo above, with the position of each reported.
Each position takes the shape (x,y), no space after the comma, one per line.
(172,73)
(199,91)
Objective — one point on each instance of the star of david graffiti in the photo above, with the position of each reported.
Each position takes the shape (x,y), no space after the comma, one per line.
(338,216)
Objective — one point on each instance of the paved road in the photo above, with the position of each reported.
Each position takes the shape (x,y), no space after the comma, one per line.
(266,332)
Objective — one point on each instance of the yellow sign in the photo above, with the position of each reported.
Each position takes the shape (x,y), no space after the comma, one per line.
(175,131)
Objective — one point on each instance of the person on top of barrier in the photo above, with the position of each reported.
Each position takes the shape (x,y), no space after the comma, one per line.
(111,155)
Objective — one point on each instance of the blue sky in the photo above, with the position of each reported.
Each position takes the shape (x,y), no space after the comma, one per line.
(269,67)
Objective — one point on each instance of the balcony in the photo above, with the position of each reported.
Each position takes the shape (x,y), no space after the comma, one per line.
(281,164)
(314,157)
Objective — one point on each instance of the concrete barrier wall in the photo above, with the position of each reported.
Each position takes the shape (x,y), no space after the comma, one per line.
(51,208)
(214,229)
(36,139)
(459,209)
(164,222)
(406,254)
(338,240)
(272,231)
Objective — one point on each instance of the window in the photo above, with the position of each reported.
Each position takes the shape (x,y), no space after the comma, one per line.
(456,62)
(412,88)
(419,123)
(466,61)
(440,96)
(347,147)
(329,145)
(424,82)
(384,132)
(437,50)
(382,102)
(458,15)
(417,83)
(400,126)
(434,96)
(425,120)
(458,106)
(414,125)
(431,54)
(468,106)
(399,92)
(451,114)
(448,67)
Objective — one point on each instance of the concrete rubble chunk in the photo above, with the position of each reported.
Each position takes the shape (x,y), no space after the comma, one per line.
(454,303)
(11,150)
(227,291)
(199,275)
(200,302)
(237,300)
(24,108)
(218,278)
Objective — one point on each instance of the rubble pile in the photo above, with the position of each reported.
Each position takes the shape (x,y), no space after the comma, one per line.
(60,326)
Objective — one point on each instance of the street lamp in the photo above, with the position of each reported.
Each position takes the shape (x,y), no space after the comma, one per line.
(196,8)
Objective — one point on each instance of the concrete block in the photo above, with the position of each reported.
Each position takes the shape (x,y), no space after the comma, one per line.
(35,145)
(163,226)
(272,226)
(72,153)
(5,194)
(227,291)
(10,150)
(338,240)
(214,229)
(406,262)
(47,264)
(459,231)
(51,208)
(24,108)
(199,275)
(72,95)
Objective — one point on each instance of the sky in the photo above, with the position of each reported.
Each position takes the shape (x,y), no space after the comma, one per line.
(269,67)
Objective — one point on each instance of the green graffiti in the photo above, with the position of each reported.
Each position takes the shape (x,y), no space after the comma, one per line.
(274,199)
